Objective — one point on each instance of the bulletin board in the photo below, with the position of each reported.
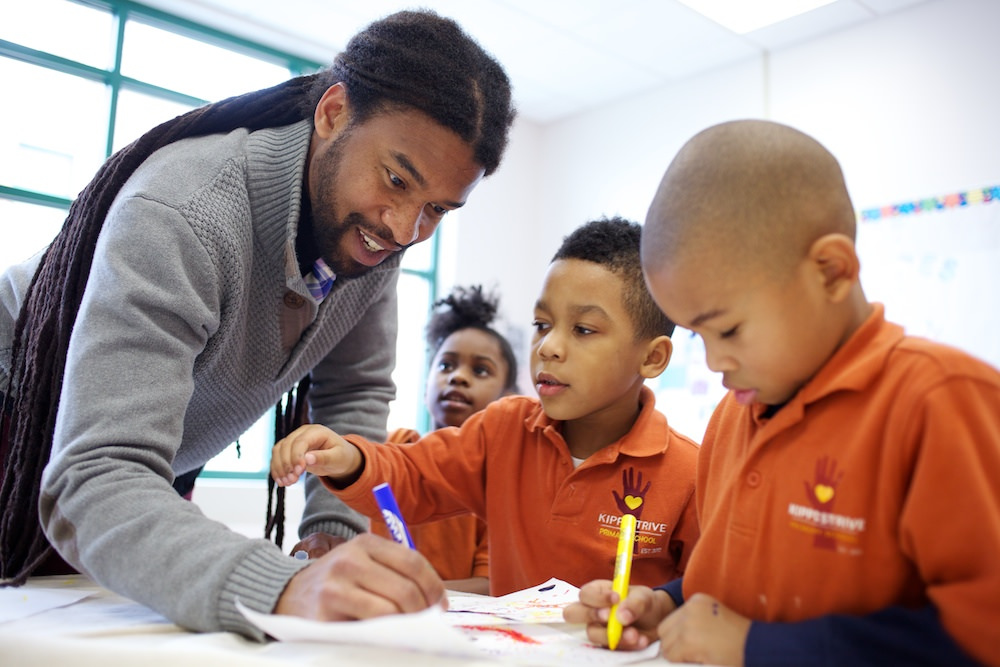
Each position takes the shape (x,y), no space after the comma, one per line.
(935,264)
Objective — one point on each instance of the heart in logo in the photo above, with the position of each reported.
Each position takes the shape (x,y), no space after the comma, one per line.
(823,492)
(632,502)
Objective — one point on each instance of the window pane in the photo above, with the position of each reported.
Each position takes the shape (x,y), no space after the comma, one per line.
(62,28)
(193,67)
(26,229)
(53,139)
(138,113)
(255,449)
(421,256)
(407,411)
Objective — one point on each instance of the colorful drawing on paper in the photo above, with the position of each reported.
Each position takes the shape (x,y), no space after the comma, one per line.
(539,604)
(544,644)
(506,632)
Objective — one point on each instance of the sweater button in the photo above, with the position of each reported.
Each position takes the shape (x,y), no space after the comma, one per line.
(293,300)
(753,479)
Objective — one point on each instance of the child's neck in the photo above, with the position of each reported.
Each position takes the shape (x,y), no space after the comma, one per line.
(590,434)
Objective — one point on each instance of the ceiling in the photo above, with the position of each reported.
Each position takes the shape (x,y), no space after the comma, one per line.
(563,56)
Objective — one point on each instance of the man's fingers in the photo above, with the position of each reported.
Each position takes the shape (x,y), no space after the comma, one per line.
(409,579)
(366,577)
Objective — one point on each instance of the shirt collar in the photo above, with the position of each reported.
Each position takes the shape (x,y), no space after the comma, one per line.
(320,280)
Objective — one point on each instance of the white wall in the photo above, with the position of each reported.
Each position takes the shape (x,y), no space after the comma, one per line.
(907,102)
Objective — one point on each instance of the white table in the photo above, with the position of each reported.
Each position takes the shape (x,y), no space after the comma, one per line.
(104,629)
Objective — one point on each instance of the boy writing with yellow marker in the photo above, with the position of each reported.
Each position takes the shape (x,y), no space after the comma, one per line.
(847,484)
(551,476)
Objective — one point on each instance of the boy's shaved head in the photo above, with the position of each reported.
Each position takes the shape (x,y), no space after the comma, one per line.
(747,195)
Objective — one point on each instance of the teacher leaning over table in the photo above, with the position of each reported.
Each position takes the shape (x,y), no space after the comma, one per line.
(207,268)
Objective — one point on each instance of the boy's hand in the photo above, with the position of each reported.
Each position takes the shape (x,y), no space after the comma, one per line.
(365,577)
(640,613)
(315,449)
(704,630)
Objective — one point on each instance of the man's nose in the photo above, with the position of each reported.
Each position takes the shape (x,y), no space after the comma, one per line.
(405,222)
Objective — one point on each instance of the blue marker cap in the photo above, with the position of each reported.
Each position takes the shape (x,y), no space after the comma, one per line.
(393,517)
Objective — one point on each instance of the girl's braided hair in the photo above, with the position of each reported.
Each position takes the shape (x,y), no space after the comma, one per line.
(469,308)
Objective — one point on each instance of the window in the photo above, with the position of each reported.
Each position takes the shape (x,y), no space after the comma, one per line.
(90,77)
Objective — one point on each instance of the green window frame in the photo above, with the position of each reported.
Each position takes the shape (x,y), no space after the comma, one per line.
(123,12)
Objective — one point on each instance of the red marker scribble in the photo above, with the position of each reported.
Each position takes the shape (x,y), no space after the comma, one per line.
(509,633)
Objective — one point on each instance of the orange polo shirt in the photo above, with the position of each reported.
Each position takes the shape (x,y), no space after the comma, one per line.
(510,465)
(878,484)
(457,546)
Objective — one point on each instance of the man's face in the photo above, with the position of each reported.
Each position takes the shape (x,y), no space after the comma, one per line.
(382,185)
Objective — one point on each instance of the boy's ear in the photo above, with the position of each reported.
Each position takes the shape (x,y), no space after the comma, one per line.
(658,353)
(332,111)
(836,260)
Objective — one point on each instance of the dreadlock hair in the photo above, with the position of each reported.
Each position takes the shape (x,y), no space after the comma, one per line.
(411,59)
(614,244)
(422,61)
(469,308)
(44,325)
(289,414)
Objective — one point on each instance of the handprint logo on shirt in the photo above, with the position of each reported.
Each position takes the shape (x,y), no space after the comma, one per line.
(821,493)
(633,495)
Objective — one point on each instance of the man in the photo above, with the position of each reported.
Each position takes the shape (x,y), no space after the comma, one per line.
(206,269)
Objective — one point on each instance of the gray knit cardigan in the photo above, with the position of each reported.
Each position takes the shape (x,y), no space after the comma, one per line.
(194,322)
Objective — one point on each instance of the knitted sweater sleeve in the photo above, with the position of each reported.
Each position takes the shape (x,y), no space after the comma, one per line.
(151,304)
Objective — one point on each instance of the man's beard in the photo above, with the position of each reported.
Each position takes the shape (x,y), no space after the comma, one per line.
(329,232)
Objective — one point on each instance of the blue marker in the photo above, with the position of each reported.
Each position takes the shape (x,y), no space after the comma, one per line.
(391,514)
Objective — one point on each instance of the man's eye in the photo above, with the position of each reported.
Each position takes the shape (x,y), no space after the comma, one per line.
(396,180)
(438,210)
(729,333)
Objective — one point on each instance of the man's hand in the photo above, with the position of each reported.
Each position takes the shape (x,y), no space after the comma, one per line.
(640,613)
(315,449)
(365,577)
(704,630)
(317,544)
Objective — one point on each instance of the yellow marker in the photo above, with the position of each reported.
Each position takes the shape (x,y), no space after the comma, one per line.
(623,569)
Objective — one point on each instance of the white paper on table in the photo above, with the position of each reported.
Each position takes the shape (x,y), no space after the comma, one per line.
(423,631)
(539,604)
(17,603)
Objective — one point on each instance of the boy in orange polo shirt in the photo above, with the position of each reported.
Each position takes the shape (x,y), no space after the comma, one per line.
(551,476)
(848,483)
